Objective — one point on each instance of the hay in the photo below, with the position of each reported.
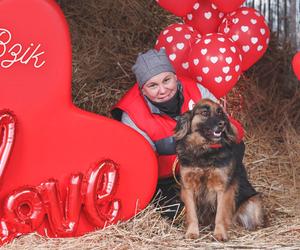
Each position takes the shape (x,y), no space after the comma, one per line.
(106,36)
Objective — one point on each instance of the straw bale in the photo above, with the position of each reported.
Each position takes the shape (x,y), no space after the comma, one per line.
(106,37)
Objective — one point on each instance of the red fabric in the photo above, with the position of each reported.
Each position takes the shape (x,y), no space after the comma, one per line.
(239,128)
(165,163)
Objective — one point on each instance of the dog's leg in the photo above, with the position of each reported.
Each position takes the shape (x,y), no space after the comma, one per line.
(250,214)
(188,197)
(225,209)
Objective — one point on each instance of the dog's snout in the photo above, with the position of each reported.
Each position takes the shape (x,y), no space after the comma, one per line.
(221,124)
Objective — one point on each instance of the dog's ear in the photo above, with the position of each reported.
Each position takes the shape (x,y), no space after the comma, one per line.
(230,132)
(183,125)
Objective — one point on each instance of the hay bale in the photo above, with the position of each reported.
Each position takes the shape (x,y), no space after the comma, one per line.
(106,37)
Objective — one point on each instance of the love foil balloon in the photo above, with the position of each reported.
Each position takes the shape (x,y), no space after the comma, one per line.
(227,6)
(69,171)
(215,62)
(249,30)
(205,17)
(177,7)
(7,137)
(177,39)
(296,64)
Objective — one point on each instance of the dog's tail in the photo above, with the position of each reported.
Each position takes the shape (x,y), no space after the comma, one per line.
(250,214)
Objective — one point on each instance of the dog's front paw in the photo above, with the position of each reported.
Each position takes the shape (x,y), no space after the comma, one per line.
(220,234)
(192,232)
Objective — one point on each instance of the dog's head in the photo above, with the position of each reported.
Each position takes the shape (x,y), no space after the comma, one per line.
(208,120)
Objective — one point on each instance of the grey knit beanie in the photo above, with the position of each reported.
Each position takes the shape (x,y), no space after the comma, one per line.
(150,64)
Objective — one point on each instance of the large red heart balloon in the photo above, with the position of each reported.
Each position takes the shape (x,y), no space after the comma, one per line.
(204,17)
(249,30)
(60,152)
(177,7)
(215,62)
(177,39)
(227,6)
(296,64)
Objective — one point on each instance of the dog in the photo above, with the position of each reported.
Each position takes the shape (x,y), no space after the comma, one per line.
(214,184)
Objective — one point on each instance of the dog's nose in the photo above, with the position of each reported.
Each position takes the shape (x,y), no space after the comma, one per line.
(221,124)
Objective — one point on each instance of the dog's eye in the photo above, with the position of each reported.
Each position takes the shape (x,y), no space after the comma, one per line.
(219,111)
(205,113)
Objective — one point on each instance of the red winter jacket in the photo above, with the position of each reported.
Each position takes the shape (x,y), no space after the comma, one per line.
(160,127)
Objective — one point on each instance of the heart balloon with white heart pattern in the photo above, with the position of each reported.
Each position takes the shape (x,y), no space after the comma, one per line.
(215,62)
(249,30)
(177,39)
(204,17)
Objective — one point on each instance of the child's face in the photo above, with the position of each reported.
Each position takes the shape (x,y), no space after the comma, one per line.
(161,88)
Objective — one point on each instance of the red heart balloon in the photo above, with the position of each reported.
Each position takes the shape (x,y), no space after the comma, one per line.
(177,7)
(60,151)
(249,30)
(227,6)
(296,64)
(177,39)
(215,62)
(204,17)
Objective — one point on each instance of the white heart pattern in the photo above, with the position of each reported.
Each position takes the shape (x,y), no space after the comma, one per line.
(178,28)
(226,30)
(169,39)
(205,70)
(207,41)
(189,17)
(244,28)
(180,46)
(214,59)
(196,61)
(172,57)
(199,78)
(228,78)
(262,31)
(185,65)
(222,50)
(187,36)
(226,69)
(254,40)
(218,79)
(207,15)
(235,37)
(196,6)
(204,51)
(235,20)
(246,48)
(228,60)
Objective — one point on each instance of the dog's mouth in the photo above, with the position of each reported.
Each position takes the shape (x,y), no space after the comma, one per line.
(216,133)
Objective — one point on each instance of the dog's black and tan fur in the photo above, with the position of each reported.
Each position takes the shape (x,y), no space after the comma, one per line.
(214,188)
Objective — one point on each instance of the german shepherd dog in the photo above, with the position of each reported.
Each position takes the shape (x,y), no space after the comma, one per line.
(214,185)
